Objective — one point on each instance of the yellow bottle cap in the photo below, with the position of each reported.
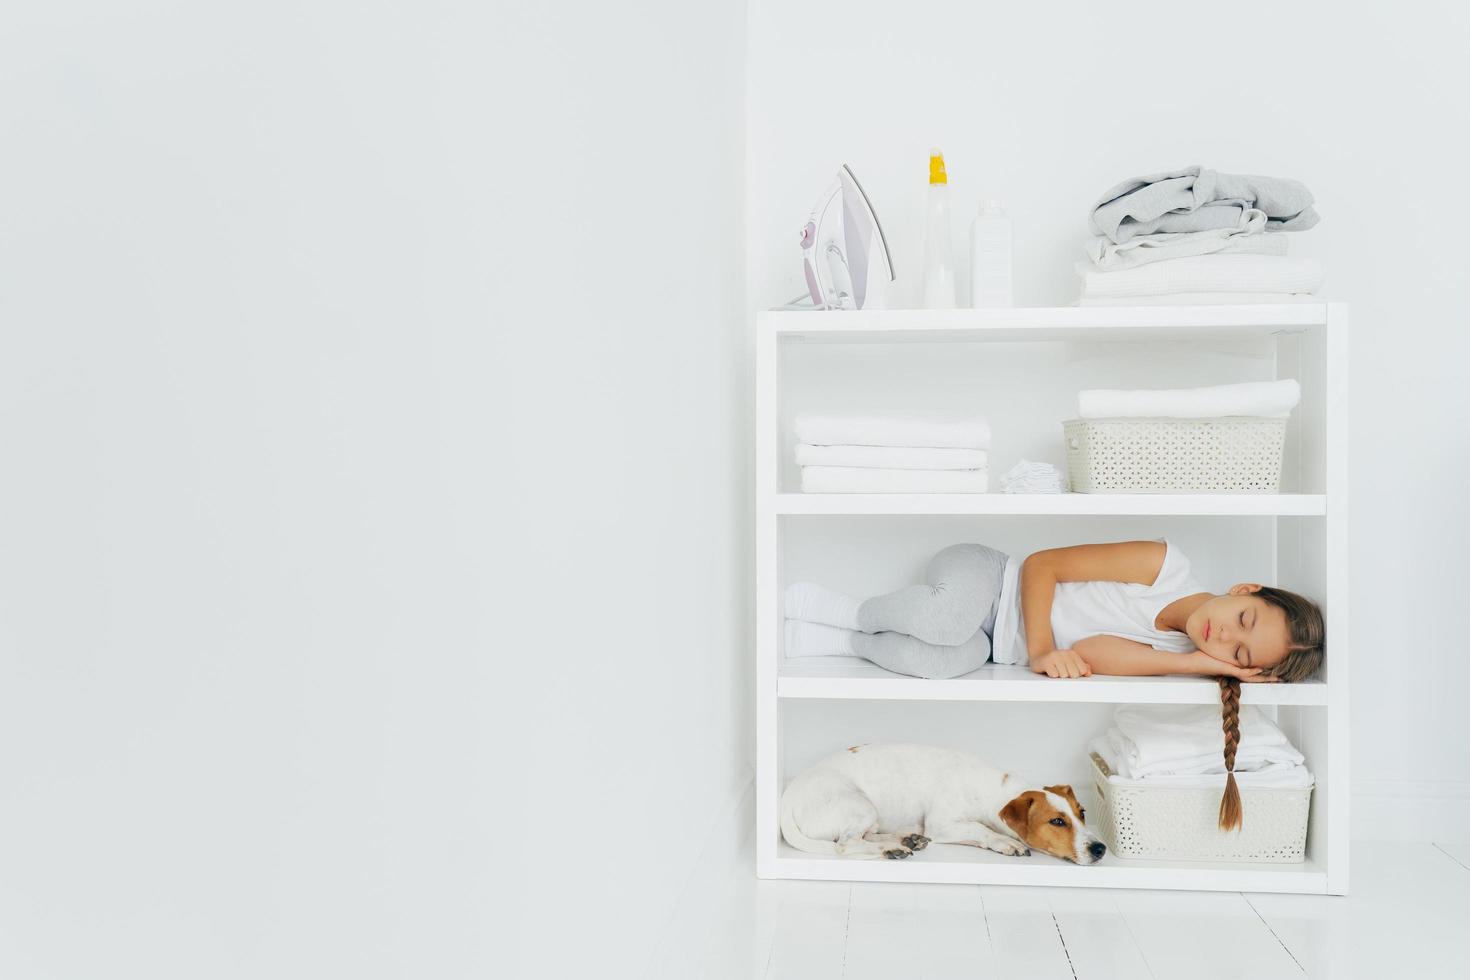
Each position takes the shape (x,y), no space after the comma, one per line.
(936,167)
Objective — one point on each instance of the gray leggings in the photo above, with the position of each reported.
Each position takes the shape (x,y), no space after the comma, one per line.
(941,628)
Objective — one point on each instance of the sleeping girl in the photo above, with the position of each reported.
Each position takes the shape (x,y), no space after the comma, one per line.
(1126,608)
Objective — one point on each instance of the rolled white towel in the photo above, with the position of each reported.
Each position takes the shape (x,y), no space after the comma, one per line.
(1260,399)
(1029,477)
(892,457)
(1230,273)
(899,429)
(851,479)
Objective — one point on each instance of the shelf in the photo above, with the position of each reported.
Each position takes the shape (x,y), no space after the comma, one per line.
(957,864)
(850,679)
(1048,504)
(1034,361)
(1035,324)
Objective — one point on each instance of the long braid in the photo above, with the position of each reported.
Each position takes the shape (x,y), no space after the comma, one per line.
(1230,807)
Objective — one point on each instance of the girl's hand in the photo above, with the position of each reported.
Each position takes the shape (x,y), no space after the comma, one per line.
(1061,663)
(1210,667)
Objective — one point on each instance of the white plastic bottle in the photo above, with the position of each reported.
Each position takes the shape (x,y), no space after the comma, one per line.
(939,279)
(990,258)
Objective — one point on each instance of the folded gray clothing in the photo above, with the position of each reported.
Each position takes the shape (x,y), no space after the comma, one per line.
(1196,199)
(1143,249)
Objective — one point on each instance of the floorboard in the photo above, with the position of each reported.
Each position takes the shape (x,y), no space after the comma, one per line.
(1098,941)
(1406,916)
(1204,935)
(930,931)
(810,938)
(1024,934)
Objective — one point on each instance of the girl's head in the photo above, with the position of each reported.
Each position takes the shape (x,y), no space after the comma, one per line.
(1258,626)
(1255,626)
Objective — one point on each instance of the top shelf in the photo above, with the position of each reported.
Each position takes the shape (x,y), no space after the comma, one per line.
(1039,324)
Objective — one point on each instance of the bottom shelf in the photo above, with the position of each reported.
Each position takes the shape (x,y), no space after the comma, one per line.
(957,864)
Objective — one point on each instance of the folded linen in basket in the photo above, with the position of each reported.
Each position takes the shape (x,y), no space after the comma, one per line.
(1117,751)
(892,457)
(1258,399)
(910,430)
(1275,776)
(1197,199)
(851,479)
(1143,249)
(1200,299)
(1206,274)
(1185,739)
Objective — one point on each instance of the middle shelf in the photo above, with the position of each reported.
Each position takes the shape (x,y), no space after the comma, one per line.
(1044,504)
(847,678)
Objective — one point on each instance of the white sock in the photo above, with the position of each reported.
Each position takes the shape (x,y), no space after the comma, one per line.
(811,603)
(817,640)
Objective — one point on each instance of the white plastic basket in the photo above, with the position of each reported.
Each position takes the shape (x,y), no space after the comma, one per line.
(1176,824)
(1224,455)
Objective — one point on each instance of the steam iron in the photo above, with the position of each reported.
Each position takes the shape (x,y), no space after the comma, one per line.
(843,251)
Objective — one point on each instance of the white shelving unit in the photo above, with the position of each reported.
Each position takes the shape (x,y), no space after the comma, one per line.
(1022,368)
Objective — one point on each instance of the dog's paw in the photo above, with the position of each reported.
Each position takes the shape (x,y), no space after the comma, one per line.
(897,853)
(915,842)
(1013,849)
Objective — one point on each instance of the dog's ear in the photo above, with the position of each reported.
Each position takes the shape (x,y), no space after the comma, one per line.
(1017,813)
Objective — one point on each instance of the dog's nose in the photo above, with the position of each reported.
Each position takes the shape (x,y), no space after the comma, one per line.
(1097,849)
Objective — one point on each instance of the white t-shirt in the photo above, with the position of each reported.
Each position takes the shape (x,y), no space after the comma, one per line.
(1083,609)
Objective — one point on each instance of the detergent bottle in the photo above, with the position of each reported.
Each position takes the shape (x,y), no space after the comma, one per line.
(990,258)
(939,280)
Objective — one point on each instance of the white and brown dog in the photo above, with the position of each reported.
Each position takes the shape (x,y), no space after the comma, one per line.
(892,800)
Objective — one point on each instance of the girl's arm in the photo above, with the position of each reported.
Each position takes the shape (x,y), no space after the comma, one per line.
(1115,655)
(1127,561)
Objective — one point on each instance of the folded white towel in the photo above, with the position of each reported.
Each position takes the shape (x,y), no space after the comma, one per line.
(1185,739)
(911,429)
(850,479)
(1201,299)
(1260,399)
(1119,752)
(892,457)
(1279,775)
(1029,477)
(1206,274)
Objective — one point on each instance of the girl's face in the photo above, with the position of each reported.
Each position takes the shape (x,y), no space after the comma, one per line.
(1241,629)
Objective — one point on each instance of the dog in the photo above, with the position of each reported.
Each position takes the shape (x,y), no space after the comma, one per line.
(889,801)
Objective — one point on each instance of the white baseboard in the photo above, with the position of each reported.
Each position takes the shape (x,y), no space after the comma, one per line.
(1393,809)
(687,940)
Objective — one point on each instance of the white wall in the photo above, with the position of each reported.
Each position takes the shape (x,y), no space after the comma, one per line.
(1047,105)
(373,536)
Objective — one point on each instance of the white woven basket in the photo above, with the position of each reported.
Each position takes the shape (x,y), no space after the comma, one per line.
(1225,455)
(1170,823)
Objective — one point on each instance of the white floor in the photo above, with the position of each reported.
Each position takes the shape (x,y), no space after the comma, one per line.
(1408,916)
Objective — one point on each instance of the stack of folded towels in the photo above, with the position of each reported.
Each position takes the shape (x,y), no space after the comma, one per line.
(1254,399)
(1180,745)
(1199,236)
(892,454)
